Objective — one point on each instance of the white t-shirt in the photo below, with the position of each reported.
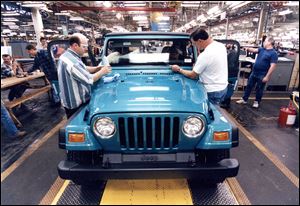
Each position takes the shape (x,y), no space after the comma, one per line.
(212,67)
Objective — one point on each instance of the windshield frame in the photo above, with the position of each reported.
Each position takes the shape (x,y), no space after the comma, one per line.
(173,38)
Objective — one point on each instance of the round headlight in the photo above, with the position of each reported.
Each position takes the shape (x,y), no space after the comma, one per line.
(193,127)
(104,127)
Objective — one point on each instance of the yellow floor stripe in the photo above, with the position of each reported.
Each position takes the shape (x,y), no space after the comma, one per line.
(61,191)
(147,192)
(237,191)
(52,192)
(290,175)
(31,149)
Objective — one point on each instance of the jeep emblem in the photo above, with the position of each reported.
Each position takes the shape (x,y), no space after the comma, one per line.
(149,158)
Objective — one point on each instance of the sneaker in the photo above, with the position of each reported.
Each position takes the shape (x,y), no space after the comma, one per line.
(18,136)
(241,101)
(21,134)
(255,104)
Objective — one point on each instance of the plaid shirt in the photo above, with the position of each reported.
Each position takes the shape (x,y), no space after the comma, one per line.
(6,70)
(43,60)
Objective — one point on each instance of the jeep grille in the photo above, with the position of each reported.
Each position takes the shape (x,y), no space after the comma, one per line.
(149,132)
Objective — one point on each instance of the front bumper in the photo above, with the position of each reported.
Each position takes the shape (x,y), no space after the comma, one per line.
(225,168)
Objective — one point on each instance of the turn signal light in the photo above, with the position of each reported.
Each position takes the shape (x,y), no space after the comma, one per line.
(76,137)
(221,136)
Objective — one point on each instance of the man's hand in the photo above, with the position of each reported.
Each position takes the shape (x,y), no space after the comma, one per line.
(175,68)
(265,79)
(106,70)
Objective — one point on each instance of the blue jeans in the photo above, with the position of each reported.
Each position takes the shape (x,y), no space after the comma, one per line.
(255,79)
(8,124)
(55,91)
(217,97)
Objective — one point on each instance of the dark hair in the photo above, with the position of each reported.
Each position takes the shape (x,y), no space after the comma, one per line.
(30,47)
(42,38)
(73,40)
(5,55)
(199,34)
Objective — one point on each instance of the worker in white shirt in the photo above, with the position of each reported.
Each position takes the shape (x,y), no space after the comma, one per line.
(211,66)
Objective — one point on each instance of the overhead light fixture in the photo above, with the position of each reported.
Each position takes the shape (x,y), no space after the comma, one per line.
(142,22)
(79,27)
(190,3)
(6,31)
(48,30)
(10,19)
(76,18)
(10,13)
(201,18)
(163,23)
(285,12)
(163,18)
(137,12)
(33,4)
(134,4)
(107,4)
(213,10)
(291,3)
(9,23)
(63,13)
(139,18)
(13,27)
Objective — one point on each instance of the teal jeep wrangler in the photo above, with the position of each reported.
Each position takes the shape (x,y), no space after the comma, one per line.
(149,122)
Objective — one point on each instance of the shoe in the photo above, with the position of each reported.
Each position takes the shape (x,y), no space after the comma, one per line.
(225,104)
(255,104)
(21,134)
(241,101)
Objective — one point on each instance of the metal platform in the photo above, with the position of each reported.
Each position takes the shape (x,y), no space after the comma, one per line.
(153,192)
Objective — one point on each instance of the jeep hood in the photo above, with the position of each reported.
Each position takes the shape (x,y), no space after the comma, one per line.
(149,93)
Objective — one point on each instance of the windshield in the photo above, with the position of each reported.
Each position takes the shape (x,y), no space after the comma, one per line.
(122,52)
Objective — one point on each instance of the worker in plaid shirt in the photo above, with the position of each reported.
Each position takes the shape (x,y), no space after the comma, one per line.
(43,61)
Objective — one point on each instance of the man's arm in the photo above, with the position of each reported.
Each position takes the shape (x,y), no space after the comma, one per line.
(253,50)
(35,65)
(187,73)
(268,75)
(95,69)
(104,70)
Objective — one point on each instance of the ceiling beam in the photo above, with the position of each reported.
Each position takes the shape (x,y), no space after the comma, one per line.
(76,8)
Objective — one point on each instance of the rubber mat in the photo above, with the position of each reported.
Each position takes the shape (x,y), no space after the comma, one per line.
(219,194)
(78,195)
(149,192)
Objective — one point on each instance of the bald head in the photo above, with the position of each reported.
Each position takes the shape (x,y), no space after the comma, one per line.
(78,43)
